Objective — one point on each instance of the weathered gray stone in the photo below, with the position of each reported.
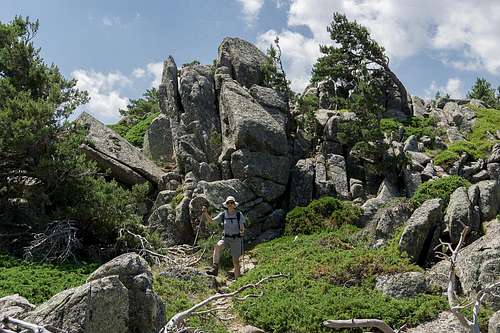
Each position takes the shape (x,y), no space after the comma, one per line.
(246,124)
(412,181)
(494,323)
(332,126)
(429,172)
(411,144)
(158,144)
(454,134)
(478,265)
(100,306)
(402,285)
(489,199)
(146,309)
(245,164)
(268,97)
(243,59)
(419,158)
(386,191)
(357,189)
(481,175)
(251,329)
(459,212)
(422,227)
(170,181)
(391,217)
(419,109)
(117,153)
(14,306)
(216,192)
(168,90)
(331,177)
(495,154)
(164,197)
(322,116)
(445,322)
(302,181)
(494,171)
(267,189)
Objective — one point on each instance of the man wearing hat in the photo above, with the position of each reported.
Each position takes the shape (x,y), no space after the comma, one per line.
(233,222)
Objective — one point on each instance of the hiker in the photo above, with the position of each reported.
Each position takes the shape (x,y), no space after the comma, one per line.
(233,222)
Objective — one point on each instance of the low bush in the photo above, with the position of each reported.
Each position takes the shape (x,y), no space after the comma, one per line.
(135,132)
(414,126)
(329,276)
(324,213)
(440,188)
(39,282)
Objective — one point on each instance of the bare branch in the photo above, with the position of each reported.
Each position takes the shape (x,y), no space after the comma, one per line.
(359,323)
(23,326)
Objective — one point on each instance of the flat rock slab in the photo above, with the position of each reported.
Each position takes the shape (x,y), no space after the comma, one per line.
(127,163)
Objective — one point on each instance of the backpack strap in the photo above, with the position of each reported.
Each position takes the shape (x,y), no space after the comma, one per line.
(238,218)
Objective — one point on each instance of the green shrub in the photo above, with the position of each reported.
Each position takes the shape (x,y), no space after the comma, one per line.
(324,213)
(135,135)
(414,126)
(388,125)
(39,282)
(440,188)
(319,285)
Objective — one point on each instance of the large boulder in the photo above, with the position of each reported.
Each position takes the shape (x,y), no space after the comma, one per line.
(246,124)
(100,306)
(422,231)
(158,144)
(302,181)
(243,59)
(334,123)
(460,212)
(168,90)
(127,163)
(246,164)
(146,311)
(495,154)
(389,218)
(494,323)
(402,285)
(216,192)
(419,108)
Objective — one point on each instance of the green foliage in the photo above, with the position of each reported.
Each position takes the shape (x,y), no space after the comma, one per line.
(39,282)
(414,126)
(483,91)
(318,286)
(325,213)
(308,105)
(176,200)
(138,115)
(439,188)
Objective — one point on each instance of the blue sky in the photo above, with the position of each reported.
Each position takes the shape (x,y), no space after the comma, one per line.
(115,48)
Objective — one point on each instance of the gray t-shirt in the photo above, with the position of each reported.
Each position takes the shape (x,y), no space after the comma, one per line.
(230,222)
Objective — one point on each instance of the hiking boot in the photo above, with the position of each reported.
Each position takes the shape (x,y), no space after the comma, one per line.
(214,270)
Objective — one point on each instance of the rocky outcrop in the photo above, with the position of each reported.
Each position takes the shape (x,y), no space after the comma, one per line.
(389,218)
(243,60)
(330,177)
(489,199)
(126,162)
(302,183)
(422,231)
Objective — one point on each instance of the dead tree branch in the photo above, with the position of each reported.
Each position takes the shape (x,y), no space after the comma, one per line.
(359,323)
(177,322)
(12,325)
(56,244)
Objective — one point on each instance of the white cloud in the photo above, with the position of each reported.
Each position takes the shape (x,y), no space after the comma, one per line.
(155,69)
(454,87)
(111,21)
(298,54)
(104,92)
(464,32)
(139,73)
(251,10)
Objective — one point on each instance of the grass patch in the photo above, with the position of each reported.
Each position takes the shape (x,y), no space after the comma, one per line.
(180,295)
(318,266)
(439,188)
(39,282)
(324,213)
(135,133)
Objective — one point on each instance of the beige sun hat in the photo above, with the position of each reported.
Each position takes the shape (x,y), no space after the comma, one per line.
(230,198)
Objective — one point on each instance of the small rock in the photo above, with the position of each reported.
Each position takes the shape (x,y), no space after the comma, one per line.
(402,285)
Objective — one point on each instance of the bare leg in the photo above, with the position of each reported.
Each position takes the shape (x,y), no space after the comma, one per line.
(218,248)
(236,264)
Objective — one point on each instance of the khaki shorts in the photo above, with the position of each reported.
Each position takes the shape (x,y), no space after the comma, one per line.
(235,244)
